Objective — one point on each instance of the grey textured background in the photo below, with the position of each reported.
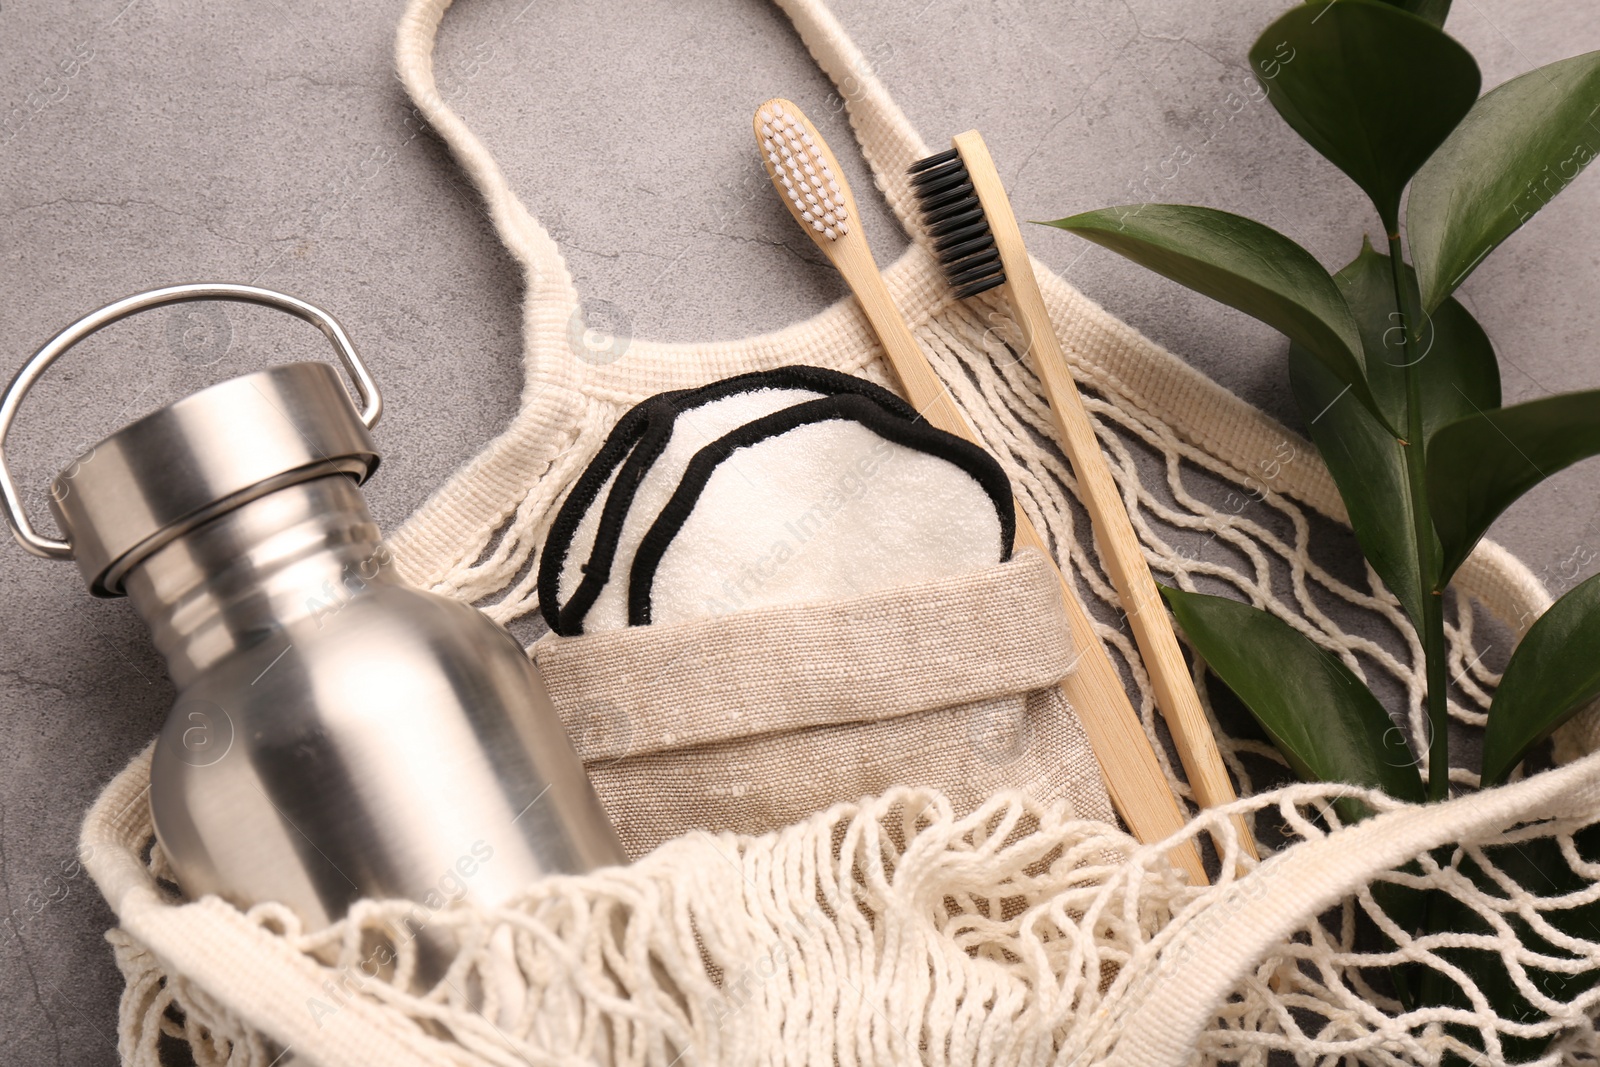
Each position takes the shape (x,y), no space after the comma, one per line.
(161,141)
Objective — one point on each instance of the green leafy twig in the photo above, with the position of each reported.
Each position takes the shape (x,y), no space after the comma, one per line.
(1424,456)
(1427,458)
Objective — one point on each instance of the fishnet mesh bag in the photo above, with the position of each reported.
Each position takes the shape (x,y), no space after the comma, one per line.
(898,929)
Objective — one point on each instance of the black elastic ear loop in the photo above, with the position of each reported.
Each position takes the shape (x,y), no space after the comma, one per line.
(570,515)
(923,436)
(650,438)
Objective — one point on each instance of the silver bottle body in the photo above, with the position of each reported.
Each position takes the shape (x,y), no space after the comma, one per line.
(339,734)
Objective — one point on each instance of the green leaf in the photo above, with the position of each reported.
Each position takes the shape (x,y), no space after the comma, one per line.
(1435,11)
(1553,674)
(1517,148)
(1455,362)
(1373,88)
(1323,719)
(1369,467)
(1241,263)
(1478,466)
(1458,376)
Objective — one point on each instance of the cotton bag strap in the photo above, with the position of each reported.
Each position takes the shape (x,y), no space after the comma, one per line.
(1212,951)
(888,142)
(450,543)
(470,538)
(1153,1016)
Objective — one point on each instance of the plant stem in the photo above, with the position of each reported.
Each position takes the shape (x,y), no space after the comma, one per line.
(1409,301)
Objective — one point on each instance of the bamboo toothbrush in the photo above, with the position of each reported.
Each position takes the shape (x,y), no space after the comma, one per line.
(812,186)
(978,243)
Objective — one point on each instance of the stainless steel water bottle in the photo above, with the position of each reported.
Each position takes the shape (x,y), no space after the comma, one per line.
(338,733)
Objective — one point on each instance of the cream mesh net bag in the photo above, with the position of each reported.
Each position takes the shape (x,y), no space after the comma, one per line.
(900,928)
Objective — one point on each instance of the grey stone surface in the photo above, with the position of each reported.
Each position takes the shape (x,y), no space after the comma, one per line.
(159,141)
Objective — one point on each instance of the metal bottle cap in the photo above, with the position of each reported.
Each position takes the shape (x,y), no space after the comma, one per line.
(201,456)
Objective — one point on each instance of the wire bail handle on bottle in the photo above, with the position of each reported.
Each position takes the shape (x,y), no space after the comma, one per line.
(50,548)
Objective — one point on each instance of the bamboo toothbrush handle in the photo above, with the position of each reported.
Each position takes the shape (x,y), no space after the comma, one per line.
(923,387)
(1147,613)
(1134,778)
(807,177)
(1133,775)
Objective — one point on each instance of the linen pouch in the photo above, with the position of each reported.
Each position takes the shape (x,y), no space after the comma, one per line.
(751,720)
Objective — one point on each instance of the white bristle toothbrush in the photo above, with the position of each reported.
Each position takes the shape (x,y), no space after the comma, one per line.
(976,238)
(807,176)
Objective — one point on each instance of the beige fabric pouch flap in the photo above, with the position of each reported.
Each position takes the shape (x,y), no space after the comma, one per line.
(752,720)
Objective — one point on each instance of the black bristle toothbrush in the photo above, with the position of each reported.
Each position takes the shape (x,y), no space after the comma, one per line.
(977,241)
(808,178)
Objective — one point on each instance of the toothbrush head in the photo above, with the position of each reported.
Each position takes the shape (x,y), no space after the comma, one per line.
(953,215)
(803,170)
